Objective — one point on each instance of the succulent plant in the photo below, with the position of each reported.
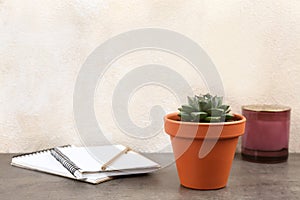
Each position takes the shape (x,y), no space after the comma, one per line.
(205,108)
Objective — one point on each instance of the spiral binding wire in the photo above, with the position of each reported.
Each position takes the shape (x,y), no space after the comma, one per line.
(65,161)
(40,151)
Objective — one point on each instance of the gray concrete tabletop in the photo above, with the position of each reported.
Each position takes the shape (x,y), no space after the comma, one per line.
(247,181)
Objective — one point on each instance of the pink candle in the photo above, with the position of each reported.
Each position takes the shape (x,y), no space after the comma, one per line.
(266,137)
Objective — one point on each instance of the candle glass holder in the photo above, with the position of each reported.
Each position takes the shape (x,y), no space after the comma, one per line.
(266,138)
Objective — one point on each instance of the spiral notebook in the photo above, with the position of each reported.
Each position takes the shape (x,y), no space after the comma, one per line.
(90,164)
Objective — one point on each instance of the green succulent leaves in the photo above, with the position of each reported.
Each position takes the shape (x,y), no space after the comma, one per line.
(205,108)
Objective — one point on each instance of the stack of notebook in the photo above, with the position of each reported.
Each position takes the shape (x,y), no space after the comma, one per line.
(90,164)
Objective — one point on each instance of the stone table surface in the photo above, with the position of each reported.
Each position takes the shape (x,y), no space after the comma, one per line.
(247,181)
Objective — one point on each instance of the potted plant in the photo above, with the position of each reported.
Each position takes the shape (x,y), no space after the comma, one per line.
(204,136)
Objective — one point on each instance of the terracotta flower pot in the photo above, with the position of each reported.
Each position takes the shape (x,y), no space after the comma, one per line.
(204,151)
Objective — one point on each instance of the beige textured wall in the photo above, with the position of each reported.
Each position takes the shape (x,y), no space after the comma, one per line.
(254,44)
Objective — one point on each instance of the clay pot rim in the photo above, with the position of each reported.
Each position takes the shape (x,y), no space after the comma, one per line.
(241,119)
(181,129)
